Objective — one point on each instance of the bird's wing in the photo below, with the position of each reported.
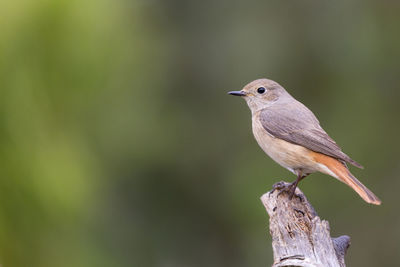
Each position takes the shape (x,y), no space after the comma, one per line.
(296,124)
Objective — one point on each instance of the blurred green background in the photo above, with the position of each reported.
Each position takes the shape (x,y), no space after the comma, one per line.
(120,147)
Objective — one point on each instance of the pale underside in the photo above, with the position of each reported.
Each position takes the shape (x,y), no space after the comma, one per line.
(295,158)
(296,124)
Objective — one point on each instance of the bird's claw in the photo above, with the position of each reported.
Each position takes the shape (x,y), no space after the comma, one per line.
(285,187)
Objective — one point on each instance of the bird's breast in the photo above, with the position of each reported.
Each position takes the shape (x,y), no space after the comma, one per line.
(288,155)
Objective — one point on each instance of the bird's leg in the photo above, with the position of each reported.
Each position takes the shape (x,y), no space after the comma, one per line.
(293,186)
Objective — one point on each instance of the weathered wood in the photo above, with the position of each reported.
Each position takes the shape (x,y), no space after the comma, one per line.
(299,237)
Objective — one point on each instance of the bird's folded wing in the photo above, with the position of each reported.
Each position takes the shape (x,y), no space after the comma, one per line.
(298,125)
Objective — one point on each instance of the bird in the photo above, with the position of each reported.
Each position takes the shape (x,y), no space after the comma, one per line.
(290,133)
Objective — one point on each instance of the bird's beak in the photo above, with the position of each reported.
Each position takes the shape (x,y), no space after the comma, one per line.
(237,93)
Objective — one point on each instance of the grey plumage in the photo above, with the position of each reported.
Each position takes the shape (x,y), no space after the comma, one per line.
(295,123)
(291,135)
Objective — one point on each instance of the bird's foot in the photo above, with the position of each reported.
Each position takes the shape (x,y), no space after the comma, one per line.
(292,190)
(283,187)
(280,186)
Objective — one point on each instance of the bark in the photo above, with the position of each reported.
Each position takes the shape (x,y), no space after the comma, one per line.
(299,236)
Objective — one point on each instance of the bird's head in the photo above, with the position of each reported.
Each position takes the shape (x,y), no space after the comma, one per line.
(261,93)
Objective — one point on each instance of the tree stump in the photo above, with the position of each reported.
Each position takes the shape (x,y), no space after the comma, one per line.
(299,237)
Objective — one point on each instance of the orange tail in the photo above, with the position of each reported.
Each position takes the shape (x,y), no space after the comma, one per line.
(344,175)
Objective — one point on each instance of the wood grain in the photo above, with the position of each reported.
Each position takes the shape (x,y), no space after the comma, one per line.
(299,236)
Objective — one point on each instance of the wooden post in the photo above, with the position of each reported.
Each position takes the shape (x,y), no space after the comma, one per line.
(299,237)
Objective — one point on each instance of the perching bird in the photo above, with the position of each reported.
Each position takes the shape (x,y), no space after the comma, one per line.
(291,135)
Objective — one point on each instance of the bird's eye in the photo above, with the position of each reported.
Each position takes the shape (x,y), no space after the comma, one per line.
(260,90)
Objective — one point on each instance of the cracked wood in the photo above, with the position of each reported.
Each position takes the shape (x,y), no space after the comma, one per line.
(299,236)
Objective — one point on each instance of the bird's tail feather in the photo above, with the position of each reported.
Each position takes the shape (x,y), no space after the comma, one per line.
(344,175)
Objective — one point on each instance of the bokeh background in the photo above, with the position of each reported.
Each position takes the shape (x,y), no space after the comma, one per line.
(120,147)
